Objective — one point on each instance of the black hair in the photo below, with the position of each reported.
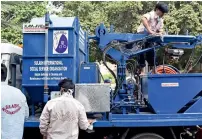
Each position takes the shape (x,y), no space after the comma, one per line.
(3,72)
(66,84)
(162,7)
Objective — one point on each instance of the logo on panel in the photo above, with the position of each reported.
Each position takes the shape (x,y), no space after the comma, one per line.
(60,42)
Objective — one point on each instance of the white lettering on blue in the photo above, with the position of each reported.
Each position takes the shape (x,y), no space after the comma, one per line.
(55,70)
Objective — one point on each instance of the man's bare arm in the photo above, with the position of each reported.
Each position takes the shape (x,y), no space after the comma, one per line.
(146,25)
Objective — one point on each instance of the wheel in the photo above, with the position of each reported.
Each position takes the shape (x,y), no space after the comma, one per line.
(147,136)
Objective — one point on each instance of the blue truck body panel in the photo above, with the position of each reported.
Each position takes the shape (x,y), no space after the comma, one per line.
(167,94)
(175,99)
(165,115)
(61,64)
(140,120)
(89,73)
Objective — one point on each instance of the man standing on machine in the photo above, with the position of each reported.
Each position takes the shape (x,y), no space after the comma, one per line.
(151,24)
(14,109)
(62,116)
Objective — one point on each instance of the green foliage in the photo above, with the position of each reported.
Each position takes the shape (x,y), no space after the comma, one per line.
(124,15)
(185,17)
(109,76)
(14,14)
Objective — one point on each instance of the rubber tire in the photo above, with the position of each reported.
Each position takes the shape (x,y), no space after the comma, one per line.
(147,136)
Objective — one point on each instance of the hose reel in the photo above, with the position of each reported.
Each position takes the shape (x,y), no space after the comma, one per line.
(166,69)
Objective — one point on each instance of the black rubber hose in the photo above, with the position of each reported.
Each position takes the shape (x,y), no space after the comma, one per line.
(104,62)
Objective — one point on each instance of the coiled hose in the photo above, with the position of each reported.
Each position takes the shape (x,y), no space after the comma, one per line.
(166,69)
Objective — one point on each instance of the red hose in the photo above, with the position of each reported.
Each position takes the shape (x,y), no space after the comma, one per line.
(165,70)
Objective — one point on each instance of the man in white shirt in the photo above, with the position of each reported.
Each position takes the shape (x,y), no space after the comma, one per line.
(14,109)
(62,116)
(152,23)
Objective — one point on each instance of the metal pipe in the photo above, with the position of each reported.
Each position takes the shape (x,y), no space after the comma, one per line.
(46,57)
(33,109)
(13,75)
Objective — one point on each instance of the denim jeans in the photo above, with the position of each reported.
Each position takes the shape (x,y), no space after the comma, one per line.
(148,56)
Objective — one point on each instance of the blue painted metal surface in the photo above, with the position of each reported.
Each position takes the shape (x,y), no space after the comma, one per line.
(162,96)
(104,38)
(63,63)
(140,120)
(32,121)
(89,73)
(167,94)
(196,107)
(176,102)
(149,120)
(67,48)
(155,96)
(33,51)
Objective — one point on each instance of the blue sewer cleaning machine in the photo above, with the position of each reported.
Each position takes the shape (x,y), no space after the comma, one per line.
(153,106)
